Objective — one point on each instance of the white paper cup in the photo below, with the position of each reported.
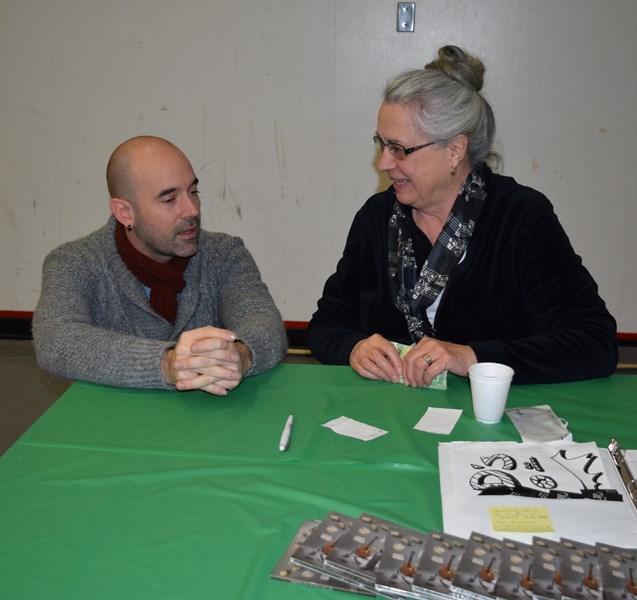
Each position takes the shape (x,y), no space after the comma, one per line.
(490,383)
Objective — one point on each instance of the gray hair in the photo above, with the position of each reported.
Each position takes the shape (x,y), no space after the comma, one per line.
(445,101)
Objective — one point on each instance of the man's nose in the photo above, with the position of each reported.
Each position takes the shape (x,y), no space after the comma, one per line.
(191,206)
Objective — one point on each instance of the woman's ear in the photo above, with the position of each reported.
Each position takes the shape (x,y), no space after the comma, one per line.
(457,150)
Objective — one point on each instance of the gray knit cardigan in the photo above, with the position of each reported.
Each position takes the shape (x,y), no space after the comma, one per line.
(94,322)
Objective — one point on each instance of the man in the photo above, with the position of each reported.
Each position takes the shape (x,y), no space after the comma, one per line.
(150,300)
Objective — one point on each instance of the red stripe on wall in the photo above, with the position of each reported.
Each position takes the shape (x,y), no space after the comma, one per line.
(626,337)
(295,324)
(16,314)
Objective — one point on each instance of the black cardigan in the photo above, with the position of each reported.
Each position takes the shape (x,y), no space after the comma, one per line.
(521,296)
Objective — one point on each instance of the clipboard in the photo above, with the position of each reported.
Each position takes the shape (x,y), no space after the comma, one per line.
(618,454)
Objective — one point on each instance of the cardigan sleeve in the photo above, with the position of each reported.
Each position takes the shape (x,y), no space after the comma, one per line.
(70,345)
(246,306)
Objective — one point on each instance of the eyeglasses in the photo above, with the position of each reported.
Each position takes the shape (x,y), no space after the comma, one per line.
(398,151)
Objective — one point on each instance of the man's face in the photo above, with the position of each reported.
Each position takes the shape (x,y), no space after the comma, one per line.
(166,205)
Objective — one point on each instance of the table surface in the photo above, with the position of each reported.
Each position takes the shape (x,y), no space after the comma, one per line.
(118,493)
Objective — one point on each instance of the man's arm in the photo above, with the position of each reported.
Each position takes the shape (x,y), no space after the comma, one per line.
(246,306)
(76,320)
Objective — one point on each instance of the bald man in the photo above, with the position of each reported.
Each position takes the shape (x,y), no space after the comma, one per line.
(150,300)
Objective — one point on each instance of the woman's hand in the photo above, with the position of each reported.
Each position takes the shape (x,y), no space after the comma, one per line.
(376,358)
(430,357)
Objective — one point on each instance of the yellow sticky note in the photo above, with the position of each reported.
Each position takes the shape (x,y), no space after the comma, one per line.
(532,519)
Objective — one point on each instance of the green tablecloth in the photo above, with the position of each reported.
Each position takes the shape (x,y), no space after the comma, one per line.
(148,494)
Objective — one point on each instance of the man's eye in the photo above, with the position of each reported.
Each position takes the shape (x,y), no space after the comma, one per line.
(194,192)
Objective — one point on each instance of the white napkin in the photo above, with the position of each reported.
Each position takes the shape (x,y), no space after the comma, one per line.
(355,429)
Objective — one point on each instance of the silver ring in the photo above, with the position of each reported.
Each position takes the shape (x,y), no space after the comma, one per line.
(428,359)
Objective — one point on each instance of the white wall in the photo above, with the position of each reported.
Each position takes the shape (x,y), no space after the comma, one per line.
(275,103)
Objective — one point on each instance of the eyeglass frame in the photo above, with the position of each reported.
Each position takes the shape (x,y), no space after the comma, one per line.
(381,145)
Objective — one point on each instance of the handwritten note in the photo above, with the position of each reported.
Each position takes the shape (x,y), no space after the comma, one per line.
(529,519)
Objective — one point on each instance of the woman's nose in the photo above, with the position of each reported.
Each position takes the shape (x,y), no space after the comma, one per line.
(385,160)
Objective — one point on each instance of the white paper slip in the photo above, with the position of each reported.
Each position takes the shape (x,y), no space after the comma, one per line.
(353,428)
(439,420)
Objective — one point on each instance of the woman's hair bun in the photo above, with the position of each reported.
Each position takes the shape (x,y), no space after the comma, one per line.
(459,65)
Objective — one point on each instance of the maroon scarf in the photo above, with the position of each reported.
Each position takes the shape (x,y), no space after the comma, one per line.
(165,280)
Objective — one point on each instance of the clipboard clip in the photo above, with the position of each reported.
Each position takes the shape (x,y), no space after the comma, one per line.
(617,454)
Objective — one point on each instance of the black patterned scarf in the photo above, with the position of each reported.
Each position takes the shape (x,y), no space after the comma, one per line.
(414,292)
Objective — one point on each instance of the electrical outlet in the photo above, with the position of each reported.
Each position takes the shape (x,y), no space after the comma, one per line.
(406,16)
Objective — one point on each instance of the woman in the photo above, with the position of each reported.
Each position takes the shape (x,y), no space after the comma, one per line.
(466,264)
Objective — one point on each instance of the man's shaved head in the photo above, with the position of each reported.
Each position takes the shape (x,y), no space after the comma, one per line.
(120,172)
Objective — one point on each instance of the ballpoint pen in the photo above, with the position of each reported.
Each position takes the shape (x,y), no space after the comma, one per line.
(284,442)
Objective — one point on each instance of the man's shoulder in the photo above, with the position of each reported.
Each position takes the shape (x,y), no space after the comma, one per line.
(216,241)
(221,253)
(87,245)
(216,248)
(216,236)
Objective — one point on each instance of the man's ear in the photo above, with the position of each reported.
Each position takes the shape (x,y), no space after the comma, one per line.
(123,211)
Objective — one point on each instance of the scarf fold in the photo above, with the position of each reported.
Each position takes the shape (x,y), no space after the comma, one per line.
(414,292)
(165,280)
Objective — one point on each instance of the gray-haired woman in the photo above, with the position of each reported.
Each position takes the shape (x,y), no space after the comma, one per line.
(466,265)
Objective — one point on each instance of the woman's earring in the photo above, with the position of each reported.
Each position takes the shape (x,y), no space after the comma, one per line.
(453,170)
(129,227)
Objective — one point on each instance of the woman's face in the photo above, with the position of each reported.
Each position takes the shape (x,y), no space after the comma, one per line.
(422,180)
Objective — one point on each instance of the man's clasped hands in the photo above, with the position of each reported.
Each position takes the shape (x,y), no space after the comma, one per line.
(209,359)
